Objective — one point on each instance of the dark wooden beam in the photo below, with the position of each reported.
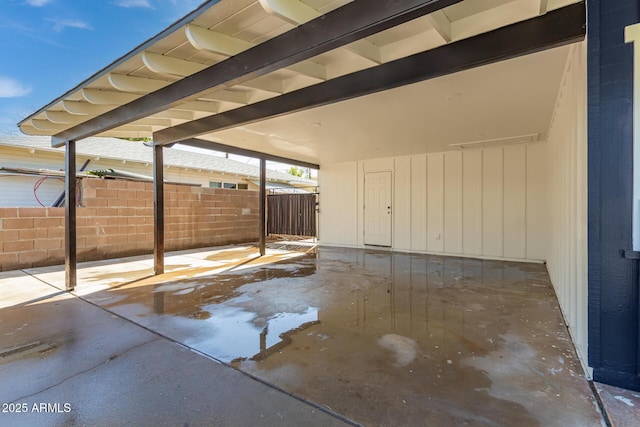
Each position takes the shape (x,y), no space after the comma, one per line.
(351,22)
(70,219)
(216,146)
(158,210)
(263,206)
(556,28)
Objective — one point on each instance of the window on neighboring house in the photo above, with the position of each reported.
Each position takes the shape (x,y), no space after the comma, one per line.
(228,185)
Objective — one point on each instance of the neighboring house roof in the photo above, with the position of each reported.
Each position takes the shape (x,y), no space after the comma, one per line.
(119,149)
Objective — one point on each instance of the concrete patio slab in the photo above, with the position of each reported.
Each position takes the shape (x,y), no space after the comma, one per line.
(65,361)
(380,338)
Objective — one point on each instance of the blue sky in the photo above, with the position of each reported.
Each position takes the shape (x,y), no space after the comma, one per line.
(49,46)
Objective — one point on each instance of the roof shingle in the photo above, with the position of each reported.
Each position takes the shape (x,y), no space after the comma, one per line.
(119,149)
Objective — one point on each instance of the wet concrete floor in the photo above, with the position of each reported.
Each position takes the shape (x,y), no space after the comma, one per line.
(378,338)
(66,362)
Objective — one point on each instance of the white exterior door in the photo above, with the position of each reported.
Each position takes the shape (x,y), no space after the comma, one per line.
(377,208)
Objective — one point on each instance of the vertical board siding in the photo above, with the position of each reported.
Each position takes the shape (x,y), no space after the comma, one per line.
(453,202)
(359,203)
(487,202)
(492,202)
(536,204)
(515,205)
(378,165)
(402,204)
(435,202)
(418,203)
(472,202)
(338,204)
(567,193)
(580,327)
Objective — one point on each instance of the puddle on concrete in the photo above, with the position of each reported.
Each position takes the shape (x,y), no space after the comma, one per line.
(190,295)
(384,338)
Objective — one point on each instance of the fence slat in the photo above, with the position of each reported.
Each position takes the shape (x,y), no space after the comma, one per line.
(292,214)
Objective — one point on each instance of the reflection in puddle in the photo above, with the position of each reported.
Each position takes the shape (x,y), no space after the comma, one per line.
(282,323)
(236,334)
(232,334)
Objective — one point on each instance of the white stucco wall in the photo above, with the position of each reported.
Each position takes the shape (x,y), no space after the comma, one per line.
(567,194)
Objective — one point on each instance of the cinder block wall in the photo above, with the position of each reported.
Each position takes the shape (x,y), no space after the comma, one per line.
(116,220)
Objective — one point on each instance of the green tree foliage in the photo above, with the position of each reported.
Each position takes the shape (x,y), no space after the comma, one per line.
(295,171)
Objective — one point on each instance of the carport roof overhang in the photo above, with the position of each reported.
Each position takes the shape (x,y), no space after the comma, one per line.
(232,63)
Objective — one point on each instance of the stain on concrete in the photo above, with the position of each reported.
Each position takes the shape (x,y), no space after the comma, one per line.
(36,348)
(404,349)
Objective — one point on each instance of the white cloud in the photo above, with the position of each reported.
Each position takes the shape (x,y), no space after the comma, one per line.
(61,24)
(10,88)
(37,3)
(134,3)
